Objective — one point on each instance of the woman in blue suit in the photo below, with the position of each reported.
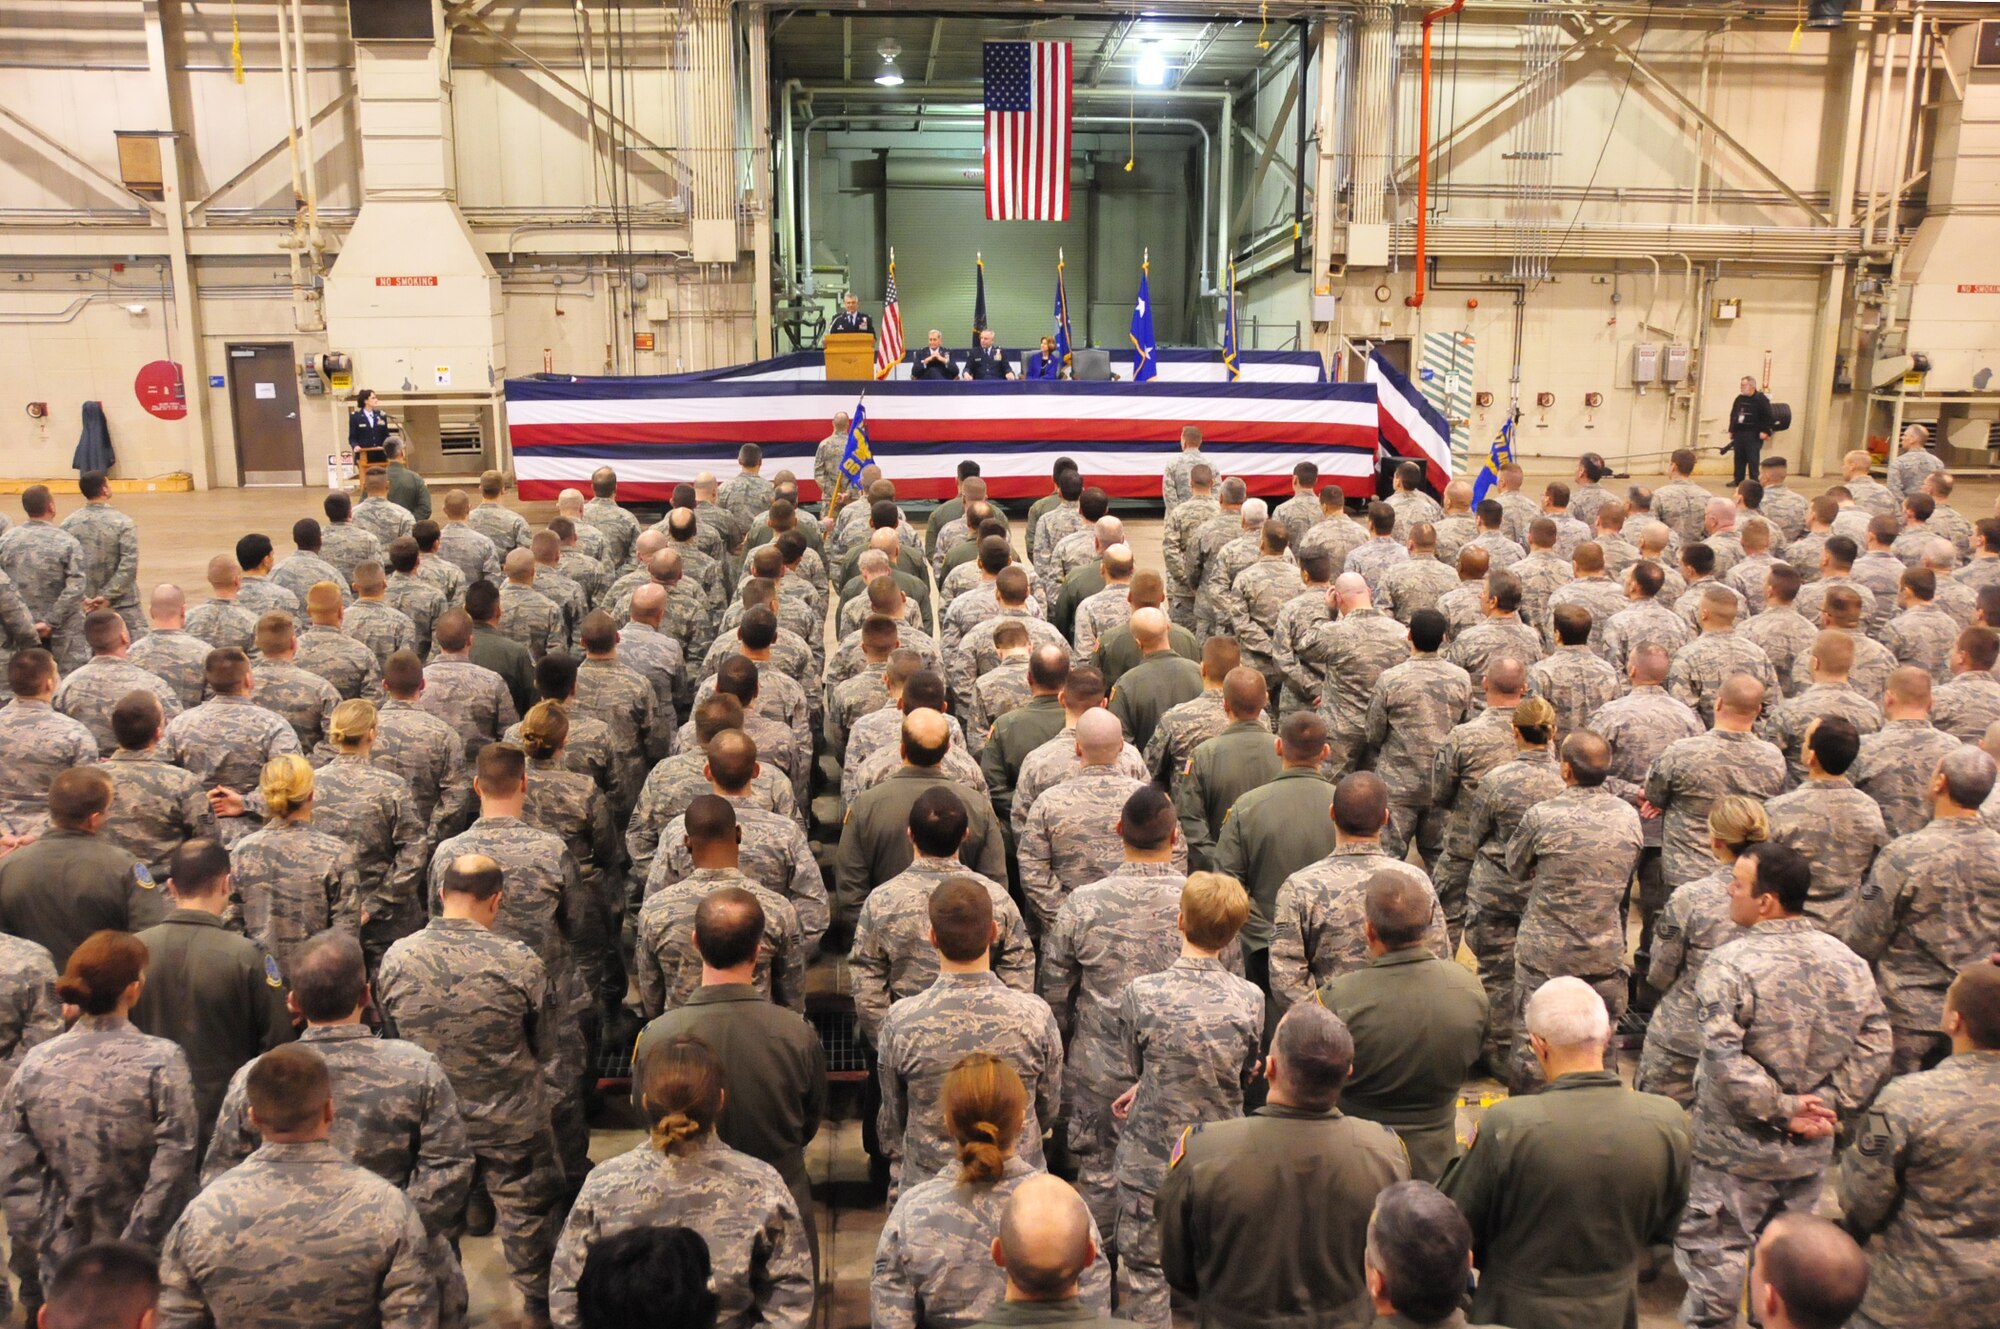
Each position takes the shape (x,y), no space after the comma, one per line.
(367,428)
(1044,364)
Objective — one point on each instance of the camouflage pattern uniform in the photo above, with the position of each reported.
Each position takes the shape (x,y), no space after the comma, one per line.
(1298,514)
(1175,487)
(506,528)
(1495,898)
(853,699)
(744,496)
(774,854)
(1109,608)
(975,654)
(1641,622)
(1930,907)
(1619,553)
(1070,839)
(1411,713)
(288,882)
(1681,505)
(302,698)
(1920,1179)
(958,766)
(97,1140)
(1493,637)
(1906,474)
(225,741)
(1409,588)
(1502,551)
(350,666)
(1373,560)
(1747,580)
(1575,854)
(1786,509)
(155,808)
(471,698)
(1191,1035)
(223,623)
(419,600)
(1468,754)
(1784,1011)
(1686,780)
(1411,507)
(1054,762)
(1895,769)
(46,565)
(1256,598)
(667,968)
(997,691)
(1104,936)
(893,957)
(924,1036)
(176,659)
(382,628)
(41,743)
(1453,535)
(1803,553)
(1316,927)
(1693,923)
(1519,513)
(1542,574)
(387,521)
(430,757)
(297,1234)
(1786,638)
(1966,706)
(1359,648)
(30,1011)
(1839,829)
(1728,547)
(1236,551)
(372,811)
(531,618)
(659,660)
(258,596)
(445,575)
(1811,600)
(348,546)
(934,1260)
(1701,667)
(878,732)
(675,783)
(1181,730)
(619,528)
(624,701)
(1298,648)
(586,570)
(468,550)
(88,694)
(482,1005)
(110,543)
(1688,603)
(1872,666)
(299,573)
(1336,536)
(1784,725)
(1576,681)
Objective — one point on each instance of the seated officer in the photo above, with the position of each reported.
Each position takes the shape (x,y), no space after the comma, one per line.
(986,360)
(934,361)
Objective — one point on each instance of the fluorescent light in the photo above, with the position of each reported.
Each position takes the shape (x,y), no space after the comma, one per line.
(1152,69)
(889,49)
(889,78)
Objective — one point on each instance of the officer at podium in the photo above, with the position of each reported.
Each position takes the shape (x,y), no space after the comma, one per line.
(987,361)
(850,318)
(934,361)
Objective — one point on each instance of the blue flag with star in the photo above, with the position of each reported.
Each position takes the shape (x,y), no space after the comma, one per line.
(1499,455)
(979,300)
(1142,329)
(858,453)
(1062,317)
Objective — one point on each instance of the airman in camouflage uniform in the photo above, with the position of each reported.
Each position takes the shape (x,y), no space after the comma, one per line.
(386,521)
(349,665)
(775,855)
(1412,711)
(1499,634)
(1701,667)
(175,657)
(471,698)
(1784,634)
(1230,553)
(1335,534)
(530,617)
(299,1234)
(1645,620)
(1543,572)
(373,811)
(348,546)
(288,882)
(1316,927)
(225,741)
(976,654)
(1177,481)
(1469,752)
(994,693)
(303,570)
(1681,503)
(97,1138)
(379,626)
(1785,724)
(1360,646)
(1420,583)
(259,595)
(303,699)
(1922,634)
(1298,639)
(482,1005)
(1931,905)
(1256,597)
(1181,730)
(1918,1181)
(1183,524)
(1412,505)
(506,528)
(41,743)
(619,528)
(155,807)
(88,694)
(1574,679)
(893,957)
(1591,590)
(1687,778)
(30,1011)
(544,906)
(1070,836)
(1056,761)
(667,968)
(923,1037)
(678,781)
(1792,1034)
(1191,1035)
(854,698)
(1835,827)
(420,601)
(110,543)
(1372,561)
(223,623)
(430,757)
(1575,855)
(46,565)
(1897,761)
(1693,924)
(1967,706)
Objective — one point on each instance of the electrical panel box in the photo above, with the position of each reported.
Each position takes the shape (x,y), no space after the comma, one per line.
(1646,362)
(659,309)
(1674,366)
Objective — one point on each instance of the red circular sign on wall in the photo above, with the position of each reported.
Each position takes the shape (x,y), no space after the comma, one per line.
(162,390)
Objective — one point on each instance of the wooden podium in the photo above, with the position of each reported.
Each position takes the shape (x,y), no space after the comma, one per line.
(849,355)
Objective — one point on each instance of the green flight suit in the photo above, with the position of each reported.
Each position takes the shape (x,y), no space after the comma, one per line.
(1085,582)
(1565,1190)
(1118,650)
(1015,735)
(1272,832)
(507,658)
(408,491)
(1218,772)
(1160,682)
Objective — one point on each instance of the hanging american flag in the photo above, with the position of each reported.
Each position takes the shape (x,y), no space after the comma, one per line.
(1028,106)
(889,348)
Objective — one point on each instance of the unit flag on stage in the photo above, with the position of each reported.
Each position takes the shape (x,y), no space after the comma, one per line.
(1062,316)
(1142,327)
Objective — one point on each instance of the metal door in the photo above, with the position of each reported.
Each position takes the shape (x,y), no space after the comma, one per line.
(264,403)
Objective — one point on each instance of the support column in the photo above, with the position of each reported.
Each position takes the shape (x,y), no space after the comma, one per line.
(169,118)
(1818,452)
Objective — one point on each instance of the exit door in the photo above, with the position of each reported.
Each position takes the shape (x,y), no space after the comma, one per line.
(264,403)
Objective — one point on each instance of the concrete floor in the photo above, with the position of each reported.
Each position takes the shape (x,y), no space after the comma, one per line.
(179,533)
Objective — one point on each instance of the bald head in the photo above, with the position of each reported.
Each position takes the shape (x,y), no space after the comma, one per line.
(1350,591)
(1149,628)
(1506,681)
(519,565)
(1648,664)
(168,606)
(1740,700)
(1110,531)
(1244,693)
(1044,1242)
(925,736)
(1099,737)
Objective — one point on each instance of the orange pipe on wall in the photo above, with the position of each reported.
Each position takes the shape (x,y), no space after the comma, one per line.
(1416,300)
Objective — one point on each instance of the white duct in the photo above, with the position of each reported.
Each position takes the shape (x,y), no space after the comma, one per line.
(412,297)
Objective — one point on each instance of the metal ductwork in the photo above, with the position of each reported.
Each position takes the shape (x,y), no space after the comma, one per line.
(1826,13)
(412,297)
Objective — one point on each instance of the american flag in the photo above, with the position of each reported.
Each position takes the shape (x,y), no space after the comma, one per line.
(889,350)
(1028,107)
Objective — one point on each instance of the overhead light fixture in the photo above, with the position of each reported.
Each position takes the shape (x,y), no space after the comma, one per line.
(890,77)
(135,309)
(1152,69)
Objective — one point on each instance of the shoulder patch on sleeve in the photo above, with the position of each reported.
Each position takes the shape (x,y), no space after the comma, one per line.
(1189,768)
(1180,1147)
(143,877)
(271,974)
(1874,1141)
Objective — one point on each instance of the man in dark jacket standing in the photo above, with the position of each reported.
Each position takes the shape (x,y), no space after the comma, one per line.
(213,991)
(1750,423)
